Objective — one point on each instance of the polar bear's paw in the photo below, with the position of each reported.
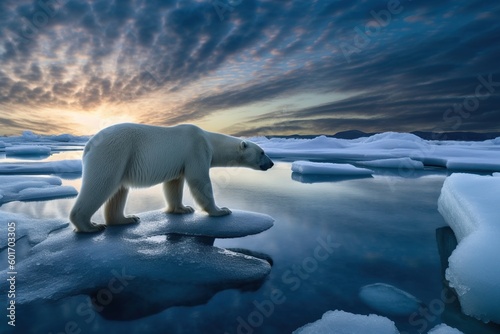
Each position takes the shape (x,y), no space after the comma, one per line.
(125,220)
(180,209)
(219,212)
(93,228)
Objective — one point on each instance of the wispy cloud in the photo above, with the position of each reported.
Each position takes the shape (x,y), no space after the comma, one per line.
(400,64)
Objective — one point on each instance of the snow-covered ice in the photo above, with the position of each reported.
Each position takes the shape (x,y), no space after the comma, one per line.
(32,188)
(324,168)
(454,155)
(161,272)
(389,300)
(49,167)
(400,163)
(444,329)
(35,230)
(340,322)
(237,224)
(469,204)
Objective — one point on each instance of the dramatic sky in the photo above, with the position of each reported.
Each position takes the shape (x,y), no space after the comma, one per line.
(250,67)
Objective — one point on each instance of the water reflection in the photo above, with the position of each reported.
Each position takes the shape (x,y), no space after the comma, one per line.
(311,178)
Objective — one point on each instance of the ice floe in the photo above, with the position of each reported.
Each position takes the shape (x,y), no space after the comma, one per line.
(32,188)
(35,230)
(454,155)
(400,163)
(340,322)
(156,264)
(389,300)
(444,329)
(469,204)
(49,167)
(28,150)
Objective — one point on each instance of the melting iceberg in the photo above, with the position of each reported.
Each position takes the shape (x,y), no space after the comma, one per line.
(469,204)
(132,271)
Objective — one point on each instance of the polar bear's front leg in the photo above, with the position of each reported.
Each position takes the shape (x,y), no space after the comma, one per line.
(201,188)
(173,191)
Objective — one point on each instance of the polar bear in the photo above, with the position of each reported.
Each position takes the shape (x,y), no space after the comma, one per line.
(137,155)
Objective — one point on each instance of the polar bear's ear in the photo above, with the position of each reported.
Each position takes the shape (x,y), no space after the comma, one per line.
(243,145)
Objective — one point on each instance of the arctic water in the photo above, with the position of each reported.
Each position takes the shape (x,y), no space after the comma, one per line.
(331,237)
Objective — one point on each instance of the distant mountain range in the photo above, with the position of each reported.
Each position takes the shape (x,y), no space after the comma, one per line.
(427,135)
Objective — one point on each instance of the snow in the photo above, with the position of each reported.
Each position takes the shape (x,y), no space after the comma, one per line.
(340,322)
(469,204)
(159,271)
(33,188)
(389,300)
(28,150)
(321,168)
(444,329)
(385,149)
(50,167)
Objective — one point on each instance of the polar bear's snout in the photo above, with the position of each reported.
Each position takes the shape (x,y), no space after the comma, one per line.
(267,164)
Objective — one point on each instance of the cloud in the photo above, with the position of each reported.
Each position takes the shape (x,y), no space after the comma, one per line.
(401,64)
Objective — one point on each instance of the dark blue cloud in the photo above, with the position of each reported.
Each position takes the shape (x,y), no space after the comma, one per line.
(399,64)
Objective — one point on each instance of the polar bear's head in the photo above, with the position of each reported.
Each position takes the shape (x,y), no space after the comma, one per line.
(252,156)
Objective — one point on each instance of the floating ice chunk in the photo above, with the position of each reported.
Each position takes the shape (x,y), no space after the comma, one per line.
(389,300)
(324,168)
(50,167)
(159,272)
(391,145)
(32,188)
(496,174)
(469,204)
(400,163)
(237,224)
(39,194)
(36,230)
(444,329)
(474,164)
(340,322)
(27,150)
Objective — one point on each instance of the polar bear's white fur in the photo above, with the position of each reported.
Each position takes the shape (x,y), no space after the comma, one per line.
(137,155)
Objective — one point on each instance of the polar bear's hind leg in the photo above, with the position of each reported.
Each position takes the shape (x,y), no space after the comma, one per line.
(113,210)
(173,191)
